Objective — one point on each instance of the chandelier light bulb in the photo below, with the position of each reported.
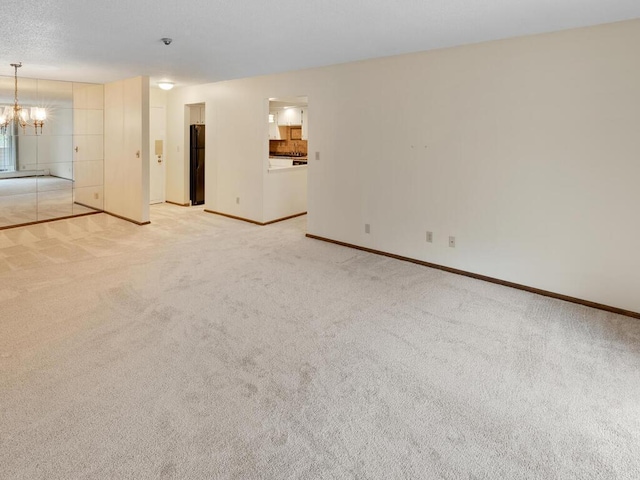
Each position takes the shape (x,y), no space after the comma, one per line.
(39,114)
(18,115)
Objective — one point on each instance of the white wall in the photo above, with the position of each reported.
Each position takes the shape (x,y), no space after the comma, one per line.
(525,149)
(285,193)
(157,97)
(235,124)
(126,148)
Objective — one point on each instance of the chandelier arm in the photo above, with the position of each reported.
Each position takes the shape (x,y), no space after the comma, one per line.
(20,116)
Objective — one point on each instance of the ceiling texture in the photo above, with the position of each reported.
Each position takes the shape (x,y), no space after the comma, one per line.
(217,40)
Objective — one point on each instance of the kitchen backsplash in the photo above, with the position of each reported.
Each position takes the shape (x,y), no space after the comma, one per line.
(287,146)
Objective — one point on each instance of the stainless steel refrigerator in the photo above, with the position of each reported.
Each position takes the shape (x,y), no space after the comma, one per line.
(196,189)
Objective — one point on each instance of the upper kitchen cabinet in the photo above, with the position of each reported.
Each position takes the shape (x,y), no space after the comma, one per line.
(290,116)
(288,121)
(196,114)
(274,131)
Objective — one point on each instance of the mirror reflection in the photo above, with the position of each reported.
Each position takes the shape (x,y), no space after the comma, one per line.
(55,171)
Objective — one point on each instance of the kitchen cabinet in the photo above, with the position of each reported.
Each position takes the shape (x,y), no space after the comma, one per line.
(290,116)
(274,131)
(196,114)
(295,133)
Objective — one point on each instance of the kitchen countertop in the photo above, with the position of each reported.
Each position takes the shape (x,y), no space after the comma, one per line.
(289,157)
(280,169)
(286,163)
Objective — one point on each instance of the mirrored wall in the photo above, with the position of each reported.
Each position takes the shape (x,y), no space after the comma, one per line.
(57,172)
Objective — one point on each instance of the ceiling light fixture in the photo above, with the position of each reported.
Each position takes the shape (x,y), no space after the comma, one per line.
(166,85)
(18,115)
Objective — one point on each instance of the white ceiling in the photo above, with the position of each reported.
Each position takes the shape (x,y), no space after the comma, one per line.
(215,40)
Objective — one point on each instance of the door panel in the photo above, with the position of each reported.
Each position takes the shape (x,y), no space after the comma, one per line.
(157,169)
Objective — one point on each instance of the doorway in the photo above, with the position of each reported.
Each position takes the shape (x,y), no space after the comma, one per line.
(197,154)
(286,177)
(288,131)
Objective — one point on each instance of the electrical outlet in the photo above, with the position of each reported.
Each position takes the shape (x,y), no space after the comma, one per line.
(452,242)
(96,195)
(430,237)
(317,155)
(367,228)
(238,200)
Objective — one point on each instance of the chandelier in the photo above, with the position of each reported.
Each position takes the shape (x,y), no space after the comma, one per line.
(18,115)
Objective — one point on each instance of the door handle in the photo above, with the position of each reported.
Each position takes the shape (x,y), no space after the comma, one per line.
(138,154)
(76,149)
(159,158)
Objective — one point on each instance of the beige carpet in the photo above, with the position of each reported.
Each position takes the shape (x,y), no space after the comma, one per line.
(204,347)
